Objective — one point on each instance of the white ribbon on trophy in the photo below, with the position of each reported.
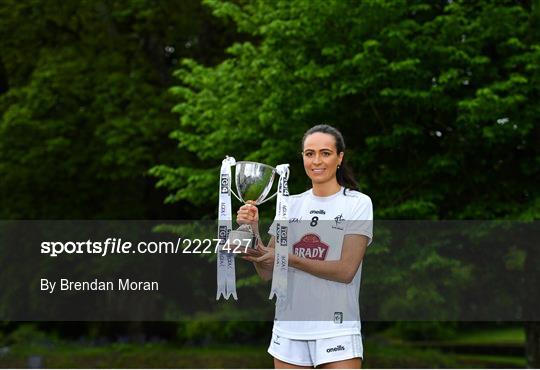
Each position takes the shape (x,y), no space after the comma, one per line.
(281,262)
(226,275)
(253,182)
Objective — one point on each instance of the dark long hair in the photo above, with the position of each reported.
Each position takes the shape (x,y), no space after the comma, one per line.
(344,174)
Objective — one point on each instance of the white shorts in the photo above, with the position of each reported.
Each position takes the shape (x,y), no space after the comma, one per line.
(316,352)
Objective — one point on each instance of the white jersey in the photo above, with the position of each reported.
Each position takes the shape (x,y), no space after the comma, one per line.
(315,307)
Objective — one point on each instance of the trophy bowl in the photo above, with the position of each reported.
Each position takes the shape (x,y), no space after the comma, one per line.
(253,183)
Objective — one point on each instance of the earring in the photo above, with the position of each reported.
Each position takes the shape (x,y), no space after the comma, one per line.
(338,166)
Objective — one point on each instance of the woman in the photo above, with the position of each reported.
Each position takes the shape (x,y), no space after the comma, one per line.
(330,226)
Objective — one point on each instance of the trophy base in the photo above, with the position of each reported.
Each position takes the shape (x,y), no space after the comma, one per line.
(242,239)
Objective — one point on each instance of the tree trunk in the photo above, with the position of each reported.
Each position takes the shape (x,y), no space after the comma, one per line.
(4,84)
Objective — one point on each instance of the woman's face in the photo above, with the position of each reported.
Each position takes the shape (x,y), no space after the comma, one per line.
(321,157)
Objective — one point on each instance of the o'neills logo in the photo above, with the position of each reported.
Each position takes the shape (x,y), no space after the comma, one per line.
(224,184)
(335,349)
(310,246)
(317,212)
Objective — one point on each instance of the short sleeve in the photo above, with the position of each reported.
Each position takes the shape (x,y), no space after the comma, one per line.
(361,219)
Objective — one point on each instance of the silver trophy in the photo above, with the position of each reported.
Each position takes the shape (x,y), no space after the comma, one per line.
(253,182)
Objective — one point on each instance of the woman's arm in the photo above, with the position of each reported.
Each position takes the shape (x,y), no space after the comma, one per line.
(343,270)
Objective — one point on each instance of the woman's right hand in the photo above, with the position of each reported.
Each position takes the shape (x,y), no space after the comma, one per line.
(248,214)
(262,258)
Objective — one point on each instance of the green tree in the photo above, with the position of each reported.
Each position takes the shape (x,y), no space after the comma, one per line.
(437,101)
(84,108)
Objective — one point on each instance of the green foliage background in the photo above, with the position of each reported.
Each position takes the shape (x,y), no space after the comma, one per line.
(437,100)
(84,107)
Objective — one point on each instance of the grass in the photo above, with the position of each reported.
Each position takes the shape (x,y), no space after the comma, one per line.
(488,344)
(380,352)
(396,356)
(71,355)
(141,356)
(491,361)
(499,336)
(169,356)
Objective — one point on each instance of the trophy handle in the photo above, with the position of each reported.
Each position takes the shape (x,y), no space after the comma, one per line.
(237,197)
(267,199)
